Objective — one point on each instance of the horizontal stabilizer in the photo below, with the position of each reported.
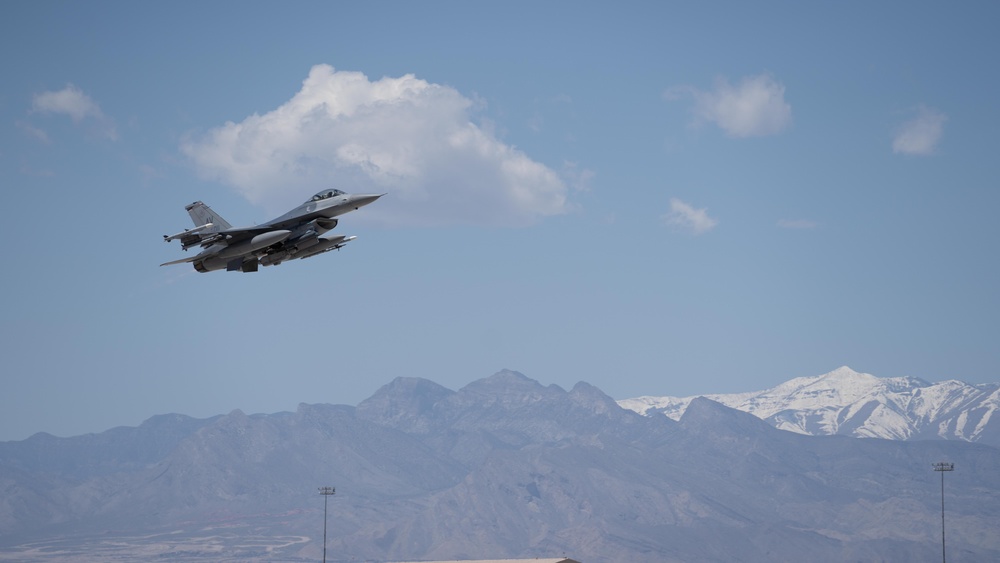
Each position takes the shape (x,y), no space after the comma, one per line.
(181,261)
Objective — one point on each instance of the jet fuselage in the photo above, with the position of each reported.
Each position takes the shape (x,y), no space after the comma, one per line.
(296,234)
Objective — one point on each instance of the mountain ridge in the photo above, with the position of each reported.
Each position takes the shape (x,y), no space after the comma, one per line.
(862,405)
(502,468)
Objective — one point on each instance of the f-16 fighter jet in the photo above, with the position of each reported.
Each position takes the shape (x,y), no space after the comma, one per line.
(296,234)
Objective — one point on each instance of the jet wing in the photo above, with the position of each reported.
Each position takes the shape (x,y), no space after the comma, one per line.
(224,246)
(206,238)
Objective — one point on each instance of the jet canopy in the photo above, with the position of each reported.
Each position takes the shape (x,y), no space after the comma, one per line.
(327,194)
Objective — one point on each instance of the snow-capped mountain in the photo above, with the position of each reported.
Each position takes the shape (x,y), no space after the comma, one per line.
(859,404)
(503,468)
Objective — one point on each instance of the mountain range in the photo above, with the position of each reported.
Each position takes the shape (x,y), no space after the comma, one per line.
(502,468)
(849,403)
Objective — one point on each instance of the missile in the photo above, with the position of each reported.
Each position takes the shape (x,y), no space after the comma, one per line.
(205,242)
(317,245)
(326,244)
(187,232)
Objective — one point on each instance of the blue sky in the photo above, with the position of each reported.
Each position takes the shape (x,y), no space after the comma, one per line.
(656,198)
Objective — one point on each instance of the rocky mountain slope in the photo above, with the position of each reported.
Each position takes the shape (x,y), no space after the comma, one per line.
(502,468)
(849,403)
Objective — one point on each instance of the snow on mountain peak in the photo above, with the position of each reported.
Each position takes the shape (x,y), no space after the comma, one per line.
(848,402)
(835,388)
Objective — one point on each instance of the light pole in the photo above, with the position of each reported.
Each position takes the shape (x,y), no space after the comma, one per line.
(326,492)
(942,467)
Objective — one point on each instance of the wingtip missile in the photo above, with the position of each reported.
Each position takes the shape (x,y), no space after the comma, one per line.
(186,232)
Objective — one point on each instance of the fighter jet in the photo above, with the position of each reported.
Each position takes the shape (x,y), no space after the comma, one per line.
(296,234)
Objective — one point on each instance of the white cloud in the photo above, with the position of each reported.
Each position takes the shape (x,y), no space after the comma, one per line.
(402,135)
(71,101)
(34,132)
(755,108)
(920,135)
(683,216)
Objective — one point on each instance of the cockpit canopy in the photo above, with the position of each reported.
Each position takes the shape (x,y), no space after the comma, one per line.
(327,194)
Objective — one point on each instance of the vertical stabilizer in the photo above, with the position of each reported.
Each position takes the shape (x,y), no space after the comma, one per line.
(202,214)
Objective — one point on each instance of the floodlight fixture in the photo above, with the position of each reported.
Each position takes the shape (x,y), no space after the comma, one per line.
(327,492)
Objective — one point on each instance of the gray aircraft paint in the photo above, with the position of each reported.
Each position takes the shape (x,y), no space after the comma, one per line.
(294,235)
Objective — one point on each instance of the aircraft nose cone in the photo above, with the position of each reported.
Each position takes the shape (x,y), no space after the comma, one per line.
(364,199)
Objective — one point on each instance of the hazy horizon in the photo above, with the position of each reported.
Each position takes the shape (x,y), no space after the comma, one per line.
(655,198)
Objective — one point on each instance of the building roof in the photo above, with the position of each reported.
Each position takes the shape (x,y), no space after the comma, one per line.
(552,560)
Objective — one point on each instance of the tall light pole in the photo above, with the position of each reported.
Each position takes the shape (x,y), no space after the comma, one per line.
(942,467)
(327,492)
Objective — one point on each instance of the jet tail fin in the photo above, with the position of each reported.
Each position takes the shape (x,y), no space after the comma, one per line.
(202,214)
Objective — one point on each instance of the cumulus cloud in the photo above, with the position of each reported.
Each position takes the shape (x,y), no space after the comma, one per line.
(682,216)
(754,108)
(405,136)
(920,135)
(71,101)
